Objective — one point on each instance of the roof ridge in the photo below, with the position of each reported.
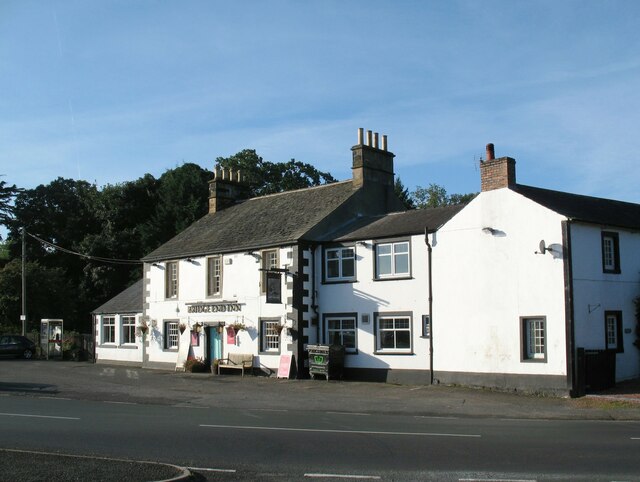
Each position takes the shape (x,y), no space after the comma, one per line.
(573,194)
(298,190)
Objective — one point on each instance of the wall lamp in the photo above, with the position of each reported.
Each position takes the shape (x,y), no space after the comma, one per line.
(488,230)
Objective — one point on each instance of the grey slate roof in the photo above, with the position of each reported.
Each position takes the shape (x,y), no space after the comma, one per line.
(128,301)
(398,224)
(585,208)
(260,222)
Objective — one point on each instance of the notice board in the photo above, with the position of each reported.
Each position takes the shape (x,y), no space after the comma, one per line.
(284,369)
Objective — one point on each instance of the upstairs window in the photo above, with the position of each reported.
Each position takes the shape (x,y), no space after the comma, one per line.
(214,276)
(171,279)
(613,330)
(610,252)
(393,260)
(340,264)
(270,260)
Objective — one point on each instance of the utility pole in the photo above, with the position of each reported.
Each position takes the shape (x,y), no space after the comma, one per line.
(23,316)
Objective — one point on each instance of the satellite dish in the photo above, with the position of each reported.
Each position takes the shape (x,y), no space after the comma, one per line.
(542,247)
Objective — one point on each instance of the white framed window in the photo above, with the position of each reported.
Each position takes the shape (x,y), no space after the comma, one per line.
(341,330)
(108,329)
(534,339)
(610,252)
(393,260)
(270,335)
(214,276)
(393,333)
(128,329)
(613,330)
(171,279)
(340,264)
(171,335)
(270,259)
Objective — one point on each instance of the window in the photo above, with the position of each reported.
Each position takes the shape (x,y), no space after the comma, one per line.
(610,252)
(108,329)
(613,330)
(171,335)
(128,329)
(214,276)
(341,330)
(171,279)
(534,339)
(340,264)
(392,260)
(269,260)
(393,333)
(270,336)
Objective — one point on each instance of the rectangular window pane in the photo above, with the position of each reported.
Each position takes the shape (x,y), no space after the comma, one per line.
(333,268)
(171,280)
(535,333)
(402,263)
(214,276)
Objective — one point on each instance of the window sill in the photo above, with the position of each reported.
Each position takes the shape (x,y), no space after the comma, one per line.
(402,353)
(534,360)
(170,350)
(265,353)
(338,281)
(611,271)
(108,345)
(128,346)
(393,278)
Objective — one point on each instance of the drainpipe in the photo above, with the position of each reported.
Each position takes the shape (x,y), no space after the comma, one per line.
(426,240)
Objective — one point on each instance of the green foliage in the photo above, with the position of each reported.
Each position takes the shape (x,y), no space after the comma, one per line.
(272,177)
(7,194)
(403,194)
(435,196)
(195,365)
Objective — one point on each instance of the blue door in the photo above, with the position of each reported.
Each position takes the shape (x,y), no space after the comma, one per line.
(215,344)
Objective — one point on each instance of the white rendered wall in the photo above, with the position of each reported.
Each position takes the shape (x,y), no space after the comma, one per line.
(118,351)
(368,296)
(241,284)
(596,292)
(485,282)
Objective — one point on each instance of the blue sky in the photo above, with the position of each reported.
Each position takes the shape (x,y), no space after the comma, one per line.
(107,91)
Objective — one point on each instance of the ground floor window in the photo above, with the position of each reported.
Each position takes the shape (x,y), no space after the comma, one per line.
(393,333)
(108,329)
(341,330)
(613,330)
(171,335)
(128,329)
(270,335)
(534,339)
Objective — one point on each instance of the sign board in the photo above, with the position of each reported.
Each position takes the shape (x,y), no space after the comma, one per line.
(183,350)
(284,369)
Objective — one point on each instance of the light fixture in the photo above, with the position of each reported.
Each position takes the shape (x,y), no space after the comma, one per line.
(489,230)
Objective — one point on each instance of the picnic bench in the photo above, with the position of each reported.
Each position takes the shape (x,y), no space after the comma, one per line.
(236,361)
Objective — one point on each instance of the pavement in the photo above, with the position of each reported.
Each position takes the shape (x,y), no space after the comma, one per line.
(99,382)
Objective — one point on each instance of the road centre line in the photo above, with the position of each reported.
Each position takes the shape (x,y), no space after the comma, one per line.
(267,409)
(342,476)
(366,432)
(38,416)
(119,403)
(635,438)
(54,398)
(497,480)
(357,414)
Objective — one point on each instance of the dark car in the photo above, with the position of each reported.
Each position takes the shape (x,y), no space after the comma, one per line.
(16,345)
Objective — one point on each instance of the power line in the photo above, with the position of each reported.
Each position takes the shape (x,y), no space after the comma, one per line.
(85,256)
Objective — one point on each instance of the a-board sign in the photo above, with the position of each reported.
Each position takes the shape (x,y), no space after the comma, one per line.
(285,366)
(183,350)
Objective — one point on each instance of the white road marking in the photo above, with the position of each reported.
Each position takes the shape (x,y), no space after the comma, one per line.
(55,398)
(108,372)
(342,476)
(349,413)
(120,403)
(267,409)
(497,480)
(38,416)
(207,469)
(132,374)
(439,418)
(635,438)
(367,432)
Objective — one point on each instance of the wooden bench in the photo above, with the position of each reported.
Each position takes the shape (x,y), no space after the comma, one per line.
(237,361)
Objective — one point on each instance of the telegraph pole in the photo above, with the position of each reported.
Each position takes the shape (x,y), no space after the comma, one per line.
(23,316)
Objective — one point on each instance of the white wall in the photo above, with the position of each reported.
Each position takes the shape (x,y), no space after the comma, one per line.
(241,284)
(596,292)
(368,296)
(484,283)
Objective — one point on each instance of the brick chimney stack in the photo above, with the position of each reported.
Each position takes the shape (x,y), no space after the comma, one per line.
(372,164)
(226,188)
(496,173)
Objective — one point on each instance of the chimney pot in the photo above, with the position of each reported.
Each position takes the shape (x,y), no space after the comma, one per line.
(360,136)
(490,152)
(375,140)
(384,143)
(369,133)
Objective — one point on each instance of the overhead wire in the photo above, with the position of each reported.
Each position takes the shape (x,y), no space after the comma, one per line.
(90,257)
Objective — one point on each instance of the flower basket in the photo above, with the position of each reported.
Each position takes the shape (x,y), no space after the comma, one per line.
(182,327)
(238,326)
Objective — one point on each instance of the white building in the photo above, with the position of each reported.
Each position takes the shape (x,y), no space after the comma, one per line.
(506,291)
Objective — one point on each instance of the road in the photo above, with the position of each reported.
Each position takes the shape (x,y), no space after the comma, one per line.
(265,444)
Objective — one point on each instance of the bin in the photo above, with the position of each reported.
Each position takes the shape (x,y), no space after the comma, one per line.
(326,360)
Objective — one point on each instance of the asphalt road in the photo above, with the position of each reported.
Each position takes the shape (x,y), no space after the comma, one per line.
(263,443)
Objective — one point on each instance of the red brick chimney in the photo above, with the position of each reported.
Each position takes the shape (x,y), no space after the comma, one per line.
(496,173)
(226,188)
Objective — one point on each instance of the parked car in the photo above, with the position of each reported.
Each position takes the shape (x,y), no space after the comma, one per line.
(16,345)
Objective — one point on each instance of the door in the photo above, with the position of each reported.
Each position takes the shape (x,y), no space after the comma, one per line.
(214,350)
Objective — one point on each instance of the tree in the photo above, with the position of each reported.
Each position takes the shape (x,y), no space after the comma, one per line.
(403,194)
(268,177)
(7,194)
(436,196)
